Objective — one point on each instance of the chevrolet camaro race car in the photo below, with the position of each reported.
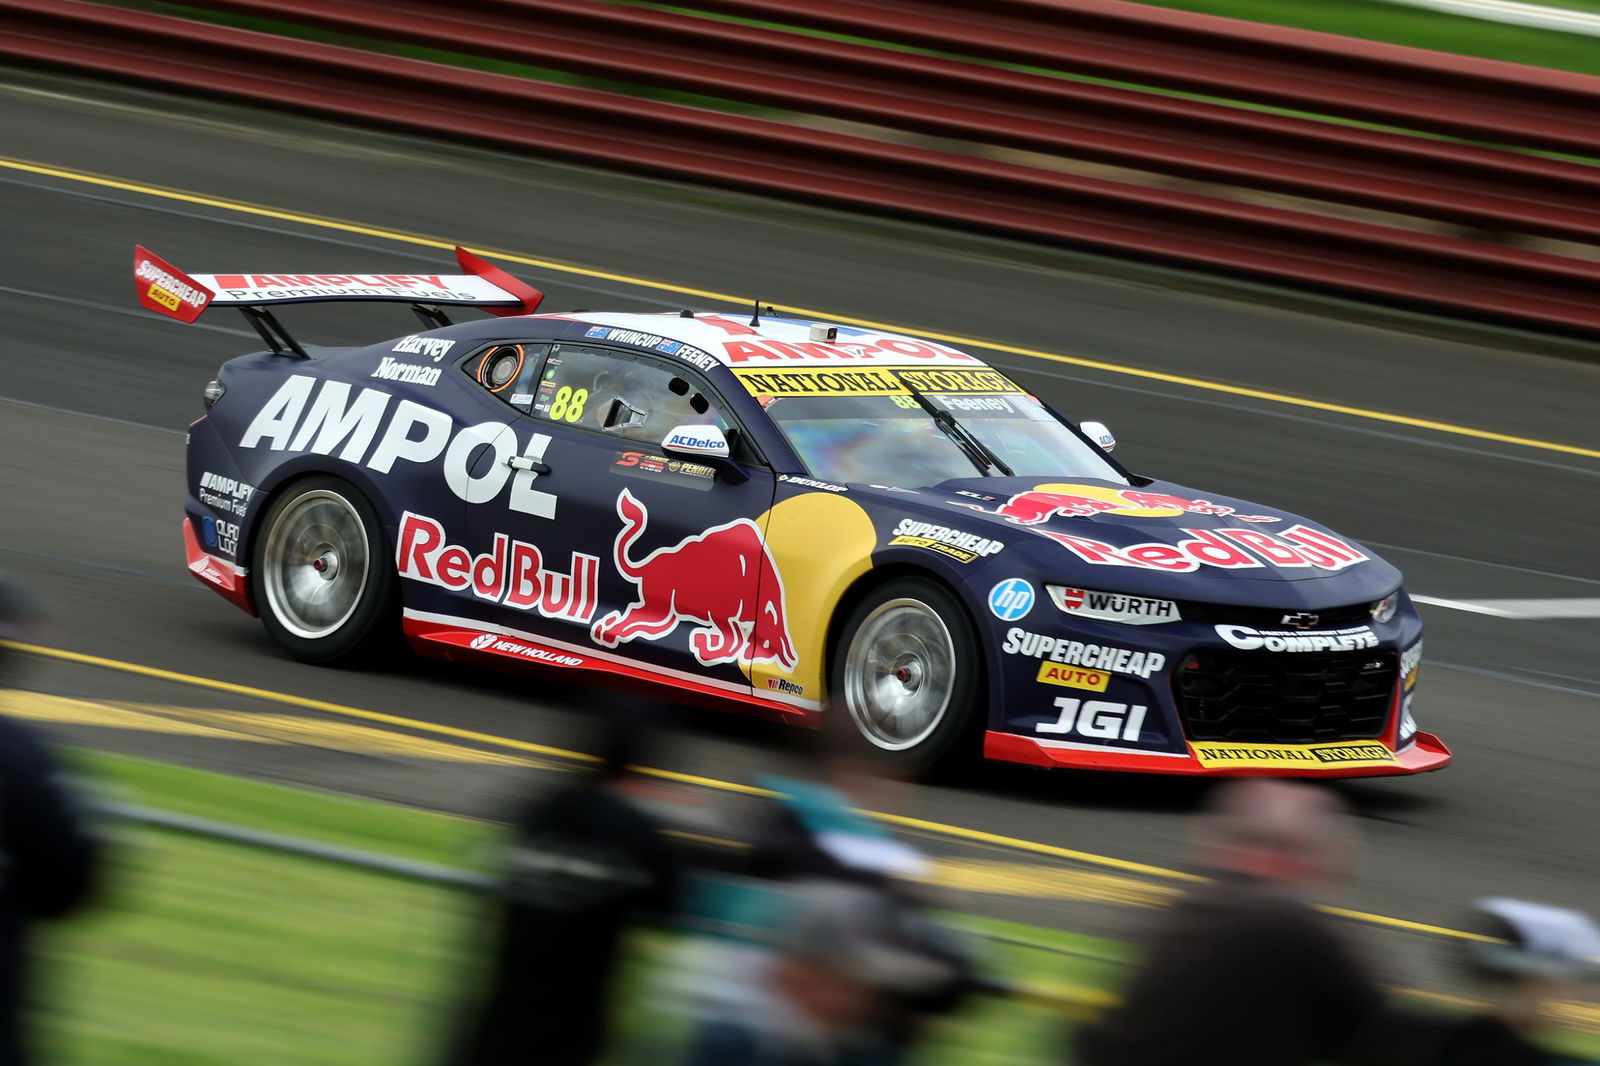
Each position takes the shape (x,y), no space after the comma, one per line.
(795,517)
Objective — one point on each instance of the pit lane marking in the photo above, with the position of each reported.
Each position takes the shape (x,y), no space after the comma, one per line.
(282,215)
(954,832)
(1523,610)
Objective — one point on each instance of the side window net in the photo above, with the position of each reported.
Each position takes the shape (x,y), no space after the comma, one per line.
(635,398)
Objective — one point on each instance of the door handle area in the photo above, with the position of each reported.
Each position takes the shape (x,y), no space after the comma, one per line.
(522,462)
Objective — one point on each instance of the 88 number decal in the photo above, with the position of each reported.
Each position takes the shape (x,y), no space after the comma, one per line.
(568,404)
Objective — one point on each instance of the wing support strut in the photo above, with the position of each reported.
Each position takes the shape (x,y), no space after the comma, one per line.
(272,332)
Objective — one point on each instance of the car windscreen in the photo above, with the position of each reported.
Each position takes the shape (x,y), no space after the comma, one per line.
(895,440)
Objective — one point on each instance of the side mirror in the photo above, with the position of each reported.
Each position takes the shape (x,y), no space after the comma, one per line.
(1097,432)
(709,443)
(696,440)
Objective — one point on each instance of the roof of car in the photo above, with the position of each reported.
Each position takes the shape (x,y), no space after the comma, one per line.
(772,342)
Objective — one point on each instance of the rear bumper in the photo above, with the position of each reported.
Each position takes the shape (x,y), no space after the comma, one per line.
(227,579)
(1353,759)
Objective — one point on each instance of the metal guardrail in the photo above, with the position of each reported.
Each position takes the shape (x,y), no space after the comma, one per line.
(1069,998)
(372,861)
(977,112)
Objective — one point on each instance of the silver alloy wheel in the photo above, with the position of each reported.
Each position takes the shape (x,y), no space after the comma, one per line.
(899,673)
(315,564)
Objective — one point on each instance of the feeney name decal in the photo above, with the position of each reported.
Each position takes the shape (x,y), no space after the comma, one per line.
(1292,549)
(1292,757)
(336,421)
(1287,640)
(512,573)
(1076,653)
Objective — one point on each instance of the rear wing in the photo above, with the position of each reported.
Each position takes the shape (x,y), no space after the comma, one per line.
(163,288)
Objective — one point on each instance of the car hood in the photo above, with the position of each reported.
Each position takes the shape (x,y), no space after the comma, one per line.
(1160,539)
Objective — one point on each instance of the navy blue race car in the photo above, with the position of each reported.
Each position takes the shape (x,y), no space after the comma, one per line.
(795,517)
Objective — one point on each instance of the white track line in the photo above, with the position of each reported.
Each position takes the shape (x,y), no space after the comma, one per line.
(1520,609)
(1545,18)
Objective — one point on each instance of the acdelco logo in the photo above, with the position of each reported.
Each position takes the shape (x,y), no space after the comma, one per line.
(377,431)
(683,440)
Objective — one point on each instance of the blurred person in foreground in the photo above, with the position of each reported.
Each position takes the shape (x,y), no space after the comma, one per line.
(1243,971)
(1535,959)
(840,962)
(48,853)
(586,863)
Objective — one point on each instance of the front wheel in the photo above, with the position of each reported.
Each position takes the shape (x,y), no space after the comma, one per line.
(321,573)
(907,672)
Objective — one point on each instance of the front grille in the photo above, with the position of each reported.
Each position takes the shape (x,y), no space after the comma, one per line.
(1284,697)
(1357,614)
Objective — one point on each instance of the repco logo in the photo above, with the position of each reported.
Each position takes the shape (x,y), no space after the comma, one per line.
(377,430)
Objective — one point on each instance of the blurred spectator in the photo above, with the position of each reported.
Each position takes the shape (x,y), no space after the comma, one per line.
(1537,956)
(48,856)
(1243,971)
(839,963)
(585,864)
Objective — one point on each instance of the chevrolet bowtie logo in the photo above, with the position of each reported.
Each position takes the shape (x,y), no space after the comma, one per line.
(1302,620)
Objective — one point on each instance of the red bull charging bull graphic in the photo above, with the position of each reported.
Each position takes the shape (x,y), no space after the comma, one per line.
(1039,505)
(724,579)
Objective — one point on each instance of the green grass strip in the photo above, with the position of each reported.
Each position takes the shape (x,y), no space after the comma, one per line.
(209,953)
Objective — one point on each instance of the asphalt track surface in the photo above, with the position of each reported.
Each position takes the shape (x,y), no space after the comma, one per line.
(1469,458)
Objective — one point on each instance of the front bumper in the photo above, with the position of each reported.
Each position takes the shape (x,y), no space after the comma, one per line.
(1423,753)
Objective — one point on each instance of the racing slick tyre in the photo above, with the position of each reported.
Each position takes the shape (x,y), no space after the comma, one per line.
(322,579)
(907,674)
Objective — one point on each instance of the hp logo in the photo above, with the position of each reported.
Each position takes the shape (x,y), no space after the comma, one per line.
(1011,599)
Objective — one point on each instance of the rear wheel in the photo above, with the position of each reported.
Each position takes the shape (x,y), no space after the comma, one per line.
(907,674)
(321,573)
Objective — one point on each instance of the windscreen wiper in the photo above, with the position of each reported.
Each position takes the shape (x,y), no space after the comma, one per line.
(969,443)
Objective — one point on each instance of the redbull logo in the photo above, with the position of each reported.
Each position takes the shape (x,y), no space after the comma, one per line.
(511,573)
(724,579)
(1227,549)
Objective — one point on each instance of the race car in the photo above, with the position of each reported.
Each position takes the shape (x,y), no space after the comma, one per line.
(793,517)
